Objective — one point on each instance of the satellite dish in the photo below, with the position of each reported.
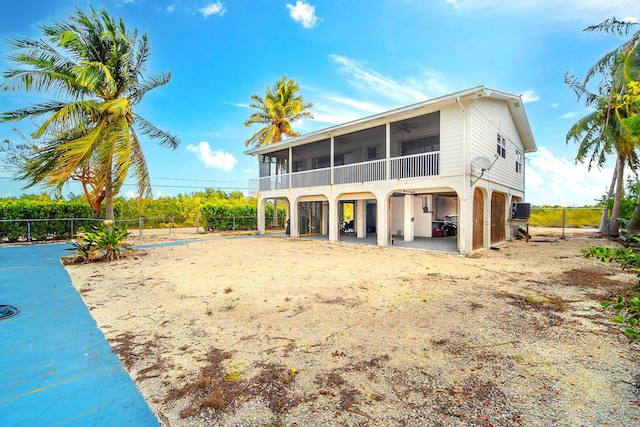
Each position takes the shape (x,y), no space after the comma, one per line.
(482,162)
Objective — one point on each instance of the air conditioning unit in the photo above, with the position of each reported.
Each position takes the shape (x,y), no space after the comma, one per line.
(520,210)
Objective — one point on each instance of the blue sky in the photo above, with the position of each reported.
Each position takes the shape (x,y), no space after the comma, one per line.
(351,59)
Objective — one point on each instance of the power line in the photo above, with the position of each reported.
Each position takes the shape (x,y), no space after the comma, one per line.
(194,180)
(188,186)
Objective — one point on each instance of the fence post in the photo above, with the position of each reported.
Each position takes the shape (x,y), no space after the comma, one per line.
(198,225)
(234,223)
(140,225)
(72,228)
(29,231)
(564,221)
(171,228)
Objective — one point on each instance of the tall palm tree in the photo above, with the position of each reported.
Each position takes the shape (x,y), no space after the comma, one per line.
(280,107)
(95,69)
(604,131)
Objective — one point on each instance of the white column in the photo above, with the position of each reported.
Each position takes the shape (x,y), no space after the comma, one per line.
(388,150)
(294,225)
(361,219)
(325,218)
(409,219)
(334,228)
(383,216)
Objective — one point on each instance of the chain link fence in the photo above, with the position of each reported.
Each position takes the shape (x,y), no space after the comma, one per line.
(568,218)
(52,229)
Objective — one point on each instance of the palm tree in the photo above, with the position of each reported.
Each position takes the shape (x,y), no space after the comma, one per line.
(604,131)
(600,134)
(95,69)
(280,107)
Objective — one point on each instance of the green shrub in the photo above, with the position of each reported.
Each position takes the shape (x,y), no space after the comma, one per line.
(104,242)
(53,211)
(627,305)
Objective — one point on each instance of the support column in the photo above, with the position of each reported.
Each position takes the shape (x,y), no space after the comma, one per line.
(383,216)
(325,218)
(294,225)
(361,219)
(409,219)
(334,227)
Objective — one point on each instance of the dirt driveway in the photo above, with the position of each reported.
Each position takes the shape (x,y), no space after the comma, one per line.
(280,332)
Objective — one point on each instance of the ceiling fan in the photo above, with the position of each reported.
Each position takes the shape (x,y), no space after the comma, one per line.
(405,127)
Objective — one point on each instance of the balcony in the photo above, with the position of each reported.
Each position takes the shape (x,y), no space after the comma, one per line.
(404,167)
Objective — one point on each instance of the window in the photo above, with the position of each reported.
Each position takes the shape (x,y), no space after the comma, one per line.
(502,147)
(372,152)
(298,166)
(518,161)
(421,145)
(321,162)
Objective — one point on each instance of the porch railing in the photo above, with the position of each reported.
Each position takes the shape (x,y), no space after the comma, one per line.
(312,178)
(360,172)
(416,165)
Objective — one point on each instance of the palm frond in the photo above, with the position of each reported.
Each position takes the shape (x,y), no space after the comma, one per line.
(166,139)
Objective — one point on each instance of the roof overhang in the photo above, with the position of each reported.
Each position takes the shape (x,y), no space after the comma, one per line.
(516,107)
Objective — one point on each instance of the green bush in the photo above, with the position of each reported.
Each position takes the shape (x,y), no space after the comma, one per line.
(625,306)
(104,242)
(53,211)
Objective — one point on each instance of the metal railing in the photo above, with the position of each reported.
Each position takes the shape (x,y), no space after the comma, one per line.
(375,170)
(312,178)
(416,165)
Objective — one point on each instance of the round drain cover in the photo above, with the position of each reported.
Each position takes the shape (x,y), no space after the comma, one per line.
(7,311)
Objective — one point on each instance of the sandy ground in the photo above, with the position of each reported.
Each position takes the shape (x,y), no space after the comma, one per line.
(271,331)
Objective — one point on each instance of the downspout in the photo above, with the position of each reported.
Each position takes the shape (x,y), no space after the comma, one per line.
(465,224)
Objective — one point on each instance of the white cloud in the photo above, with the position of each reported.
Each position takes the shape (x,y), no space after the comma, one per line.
(303,13)
(554,105)
(216,8)
(366,107)
(370,81)
(217,159)
(559,181)
(569,115)
(529,96)
(171,8)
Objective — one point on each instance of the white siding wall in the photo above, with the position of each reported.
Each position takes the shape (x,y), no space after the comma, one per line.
(489,118)
(451,141)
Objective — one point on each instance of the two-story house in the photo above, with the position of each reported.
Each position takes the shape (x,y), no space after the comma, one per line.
(449,166)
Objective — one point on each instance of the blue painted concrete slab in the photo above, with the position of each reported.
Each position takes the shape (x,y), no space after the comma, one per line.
(56,368)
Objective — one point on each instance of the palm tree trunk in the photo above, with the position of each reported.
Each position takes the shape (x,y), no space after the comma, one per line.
(617,201)
(635,218)
(108,197)
(604,221)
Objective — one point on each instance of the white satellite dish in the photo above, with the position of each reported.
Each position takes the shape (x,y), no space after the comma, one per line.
(482,162)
